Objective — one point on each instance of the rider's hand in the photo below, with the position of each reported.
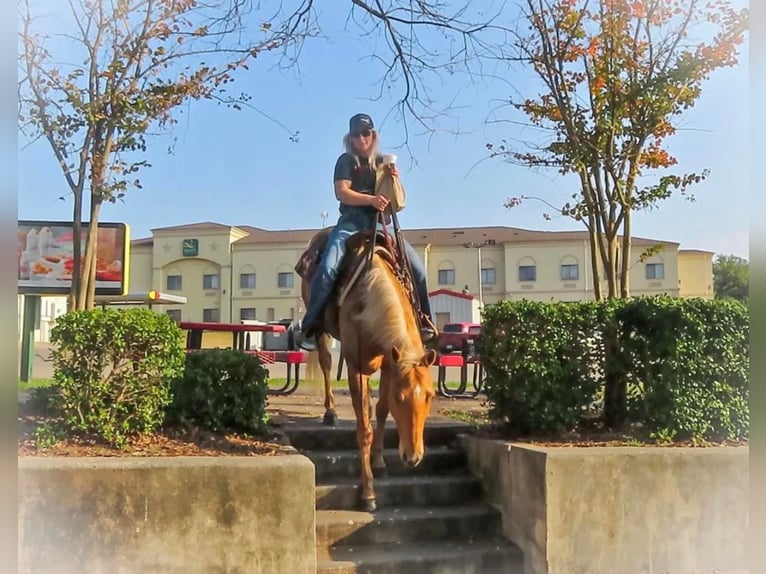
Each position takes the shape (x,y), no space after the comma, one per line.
(379,202)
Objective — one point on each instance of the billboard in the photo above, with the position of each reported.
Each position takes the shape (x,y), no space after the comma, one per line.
(46,257)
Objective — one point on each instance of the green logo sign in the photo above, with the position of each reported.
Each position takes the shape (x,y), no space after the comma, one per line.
(191,247)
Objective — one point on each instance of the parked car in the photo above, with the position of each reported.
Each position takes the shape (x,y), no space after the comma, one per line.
(454,336)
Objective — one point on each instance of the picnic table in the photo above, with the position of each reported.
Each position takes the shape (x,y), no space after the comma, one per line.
(241,342)
(461,361)
(240,333)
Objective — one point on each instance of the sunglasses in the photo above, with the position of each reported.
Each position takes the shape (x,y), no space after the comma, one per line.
(361,133)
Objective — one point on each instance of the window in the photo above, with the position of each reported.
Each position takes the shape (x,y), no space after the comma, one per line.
(447,276)
(175,314)
(488,276)
(211,315)
(285,280)
(655,271)
(527,273)
(210,281)
(174,282)
(247,313)
(247,280)
(452,328)
(570,272)
(270,314)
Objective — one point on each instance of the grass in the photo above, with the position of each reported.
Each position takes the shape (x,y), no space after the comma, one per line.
(34,383)
(472,418)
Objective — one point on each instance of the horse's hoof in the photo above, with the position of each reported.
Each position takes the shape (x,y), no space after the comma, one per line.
(330,418)
(369,505)
(380,472)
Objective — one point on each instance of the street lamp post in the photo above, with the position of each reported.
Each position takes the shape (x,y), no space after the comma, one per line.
(478,246)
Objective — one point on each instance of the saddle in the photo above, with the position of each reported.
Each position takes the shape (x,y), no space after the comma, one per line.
(360,248)
(310,258)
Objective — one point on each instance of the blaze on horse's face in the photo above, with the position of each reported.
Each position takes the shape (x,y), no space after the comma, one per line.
(409,402)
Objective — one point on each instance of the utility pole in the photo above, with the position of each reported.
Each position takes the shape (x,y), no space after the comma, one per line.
(478,246)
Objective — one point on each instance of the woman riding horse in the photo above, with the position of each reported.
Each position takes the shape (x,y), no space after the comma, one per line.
(359,206)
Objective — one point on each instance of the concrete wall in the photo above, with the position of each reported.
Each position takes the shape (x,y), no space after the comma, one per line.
(167,515)
(627,509)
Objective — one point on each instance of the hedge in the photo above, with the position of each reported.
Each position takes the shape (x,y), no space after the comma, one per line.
(120,373)
(677,367)
(221,390)
(112,373)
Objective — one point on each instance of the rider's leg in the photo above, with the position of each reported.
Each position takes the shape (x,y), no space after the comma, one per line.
(421,286)
(326,273)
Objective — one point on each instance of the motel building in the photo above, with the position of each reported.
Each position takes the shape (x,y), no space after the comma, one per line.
(233,273)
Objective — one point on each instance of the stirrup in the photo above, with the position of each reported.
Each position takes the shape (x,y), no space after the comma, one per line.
(307,343)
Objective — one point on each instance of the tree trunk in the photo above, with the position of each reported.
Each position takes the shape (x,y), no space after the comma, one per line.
(615,384)
(626,248)
(73,300)
(88,288)
(592,238)
(611,270)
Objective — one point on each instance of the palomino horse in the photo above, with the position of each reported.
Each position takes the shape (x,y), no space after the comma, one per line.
(376,326)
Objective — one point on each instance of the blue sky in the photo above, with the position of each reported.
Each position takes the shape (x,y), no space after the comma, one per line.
(239,168)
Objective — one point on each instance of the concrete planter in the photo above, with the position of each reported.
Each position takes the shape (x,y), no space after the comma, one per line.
(167,515)
(619,510)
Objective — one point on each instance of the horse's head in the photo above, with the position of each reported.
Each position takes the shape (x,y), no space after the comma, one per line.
(409,401)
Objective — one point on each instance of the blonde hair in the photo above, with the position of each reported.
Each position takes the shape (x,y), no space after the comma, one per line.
(374,158)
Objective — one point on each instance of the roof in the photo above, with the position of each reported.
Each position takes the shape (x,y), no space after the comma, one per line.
(202,226)
(444,236)
(261,236)
(457,236)
(145,241)
(696,251)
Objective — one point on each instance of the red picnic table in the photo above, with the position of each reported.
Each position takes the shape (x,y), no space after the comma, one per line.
(240,332)
(241,342)
(461,361)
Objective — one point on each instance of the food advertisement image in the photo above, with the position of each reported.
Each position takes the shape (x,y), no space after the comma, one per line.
(46,257)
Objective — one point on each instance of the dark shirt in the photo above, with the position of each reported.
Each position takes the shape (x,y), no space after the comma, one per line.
(361,176)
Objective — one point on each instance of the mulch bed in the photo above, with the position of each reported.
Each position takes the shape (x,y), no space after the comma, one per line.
(167,442)
(598,438)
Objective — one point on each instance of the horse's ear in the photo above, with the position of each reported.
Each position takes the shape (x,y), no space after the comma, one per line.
(396,354)
(429,358)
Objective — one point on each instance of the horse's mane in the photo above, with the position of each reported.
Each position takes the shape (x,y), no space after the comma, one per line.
(386,319)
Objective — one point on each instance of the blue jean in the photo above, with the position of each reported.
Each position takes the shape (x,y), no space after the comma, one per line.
(327,271)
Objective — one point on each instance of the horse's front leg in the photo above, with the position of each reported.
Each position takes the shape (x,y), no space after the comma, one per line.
(325,363)
(381,413)
(358,385)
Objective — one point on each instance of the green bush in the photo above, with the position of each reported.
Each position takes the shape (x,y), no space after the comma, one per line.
(221,390)
(543,362)
(112,371)
(689,360)
(677,366)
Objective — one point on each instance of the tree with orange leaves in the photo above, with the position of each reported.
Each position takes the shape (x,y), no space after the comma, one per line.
(616,77)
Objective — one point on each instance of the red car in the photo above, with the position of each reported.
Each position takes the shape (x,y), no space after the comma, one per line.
(453,335)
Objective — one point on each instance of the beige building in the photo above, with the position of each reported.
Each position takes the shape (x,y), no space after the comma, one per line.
(231,273)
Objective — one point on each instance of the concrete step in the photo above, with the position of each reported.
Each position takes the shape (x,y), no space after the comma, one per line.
(491,556)
(463,523)
(316,436)
(401,491)
(439,460)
